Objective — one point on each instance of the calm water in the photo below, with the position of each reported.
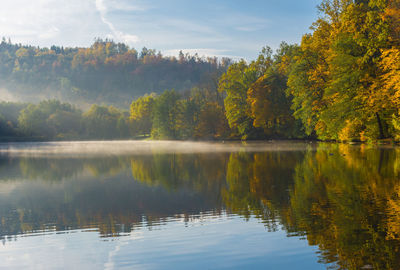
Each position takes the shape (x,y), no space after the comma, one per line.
(171,205)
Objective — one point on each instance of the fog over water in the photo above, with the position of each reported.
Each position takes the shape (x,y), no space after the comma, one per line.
(89,148)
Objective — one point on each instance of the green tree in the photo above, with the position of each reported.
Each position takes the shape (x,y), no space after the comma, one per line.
(235,83)
(164,116)
(50,119)
(101,122)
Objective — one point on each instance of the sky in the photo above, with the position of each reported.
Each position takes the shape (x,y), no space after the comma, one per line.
(223,28)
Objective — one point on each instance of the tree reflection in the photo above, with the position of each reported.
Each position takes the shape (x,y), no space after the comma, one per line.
(198,172)
(258,184)
(344,199)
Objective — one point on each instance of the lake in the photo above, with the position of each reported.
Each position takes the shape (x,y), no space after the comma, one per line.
(197,205)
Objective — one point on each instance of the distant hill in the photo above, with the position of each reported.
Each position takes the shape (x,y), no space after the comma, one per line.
(106,72)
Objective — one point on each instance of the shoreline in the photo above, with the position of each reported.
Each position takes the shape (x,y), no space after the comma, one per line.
(383,142)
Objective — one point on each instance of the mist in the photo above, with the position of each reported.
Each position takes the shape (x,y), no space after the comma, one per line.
(132,147)
(7,96)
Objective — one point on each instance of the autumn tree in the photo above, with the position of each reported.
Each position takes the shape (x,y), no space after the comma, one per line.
(270,106)
(235,84)
(141,113)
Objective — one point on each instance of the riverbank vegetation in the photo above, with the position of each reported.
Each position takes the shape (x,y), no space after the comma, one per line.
(341,83)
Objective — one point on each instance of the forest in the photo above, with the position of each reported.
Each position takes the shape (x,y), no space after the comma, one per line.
(341,83)
(106,72)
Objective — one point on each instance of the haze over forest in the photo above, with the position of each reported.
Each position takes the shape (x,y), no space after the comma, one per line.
(107,72)
(342,82)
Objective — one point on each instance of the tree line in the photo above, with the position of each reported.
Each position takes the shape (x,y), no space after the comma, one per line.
(105,72)
(342,82)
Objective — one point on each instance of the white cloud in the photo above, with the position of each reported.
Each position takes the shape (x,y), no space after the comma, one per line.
(52,32)
(101,7)
(42,22)
(129,39)
(115,34)
(63,22)
(202,52)
(151,23)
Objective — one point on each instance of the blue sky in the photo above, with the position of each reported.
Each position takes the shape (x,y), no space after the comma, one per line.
(232,28)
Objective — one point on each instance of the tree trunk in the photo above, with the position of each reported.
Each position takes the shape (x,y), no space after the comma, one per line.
(381,135)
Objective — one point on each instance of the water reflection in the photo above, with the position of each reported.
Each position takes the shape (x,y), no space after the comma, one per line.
(92,193)
(343,199)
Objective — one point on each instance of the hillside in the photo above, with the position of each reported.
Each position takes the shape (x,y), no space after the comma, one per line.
(106,72)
